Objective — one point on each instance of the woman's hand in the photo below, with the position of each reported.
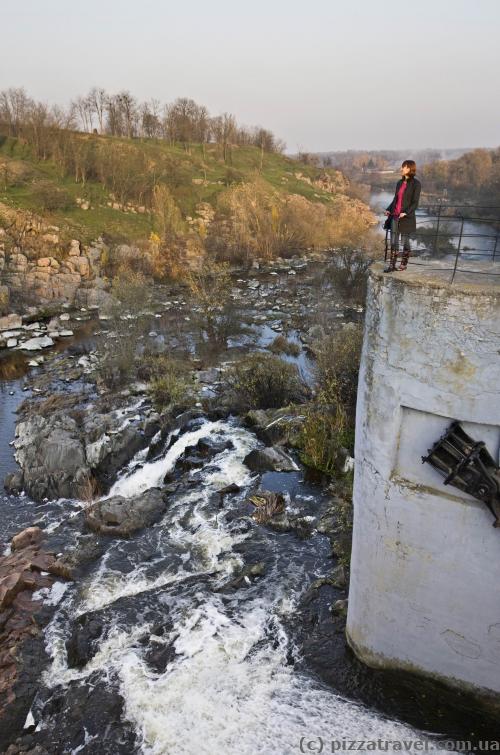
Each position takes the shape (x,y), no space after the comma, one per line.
(387,212)
(403,215)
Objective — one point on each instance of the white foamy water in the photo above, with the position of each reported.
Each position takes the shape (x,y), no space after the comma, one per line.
(219,697)
(229,687)
(152,474)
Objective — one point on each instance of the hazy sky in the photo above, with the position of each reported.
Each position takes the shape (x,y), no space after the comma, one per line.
(322,74)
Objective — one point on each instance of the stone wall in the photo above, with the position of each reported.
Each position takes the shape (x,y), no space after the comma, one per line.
(426,559)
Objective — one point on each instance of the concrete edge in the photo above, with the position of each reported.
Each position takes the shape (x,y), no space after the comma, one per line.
(411,278)
(485,699)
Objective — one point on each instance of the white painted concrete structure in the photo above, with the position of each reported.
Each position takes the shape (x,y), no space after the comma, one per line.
(425,568)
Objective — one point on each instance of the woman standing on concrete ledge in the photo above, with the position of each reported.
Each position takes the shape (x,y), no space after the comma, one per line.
(402,213)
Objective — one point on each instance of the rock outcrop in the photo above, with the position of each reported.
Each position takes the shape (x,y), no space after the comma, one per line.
(269,459)
(51,454)
(43,278)
(60,457)
(27,569)
(120,517)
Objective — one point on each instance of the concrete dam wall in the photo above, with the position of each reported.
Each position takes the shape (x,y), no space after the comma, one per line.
(425,568)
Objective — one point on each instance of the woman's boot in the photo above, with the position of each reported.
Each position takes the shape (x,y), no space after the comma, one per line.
(391,267)
(404,260)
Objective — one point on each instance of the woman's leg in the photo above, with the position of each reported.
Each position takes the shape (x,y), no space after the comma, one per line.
(405,239)
(394,235)
(394,246)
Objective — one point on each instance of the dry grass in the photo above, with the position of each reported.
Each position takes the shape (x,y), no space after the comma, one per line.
(264,381)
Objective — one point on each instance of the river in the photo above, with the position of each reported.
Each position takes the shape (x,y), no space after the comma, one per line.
(186,661)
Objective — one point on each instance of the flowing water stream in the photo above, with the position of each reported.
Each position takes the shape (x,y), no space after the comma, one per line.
(209,637)
(230,682)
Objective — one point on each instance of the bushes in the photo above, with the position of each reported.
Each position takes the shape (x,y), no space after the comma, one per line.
(168,379)
(323,435)
(117,357)
(210,287)
(49,197)
(348,272)
(282,345)
(169,388)
(129,288)
(337,365)
(328,431)
(264,381)
(255,220)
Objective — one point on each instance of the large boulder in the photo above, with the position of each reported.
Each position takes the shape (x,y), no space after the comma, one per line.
(120,517)
(269,460)
(51,454)
(83,641)
(11,322)
(111,451)
(94,297)
(29,536)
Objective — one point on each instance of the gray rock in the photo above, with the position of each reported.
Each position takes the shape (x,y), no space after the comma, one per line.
(39,342)
(11,322)
(340,607)
(13,482)
(120,517)
(50,452)
(337,577)
(112,450)
(269,460)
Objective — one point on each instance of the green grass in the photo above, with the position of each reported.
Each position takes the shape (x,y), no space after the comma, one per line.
(178,166)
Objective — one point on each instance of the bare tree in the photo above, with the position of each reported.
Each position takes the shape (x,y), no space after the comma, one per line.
(14,107)
(84,111)
(98,100)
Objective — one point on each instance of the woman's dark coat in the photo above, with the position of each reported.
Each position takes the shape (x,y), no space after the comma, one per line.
(411,197)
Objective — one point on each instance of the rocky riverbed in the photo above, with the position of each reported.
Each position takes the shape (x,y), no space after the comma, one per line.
(179,589)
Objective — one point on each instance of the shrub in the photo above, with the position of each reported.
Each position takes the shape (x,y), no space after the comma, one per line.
(323,433)
(282,345)
(337,366)
(348,272)
(49,197)
(264,381)
(117,362)
(328,430)
(169,381)
(129,288)
(210,287)
(168,219)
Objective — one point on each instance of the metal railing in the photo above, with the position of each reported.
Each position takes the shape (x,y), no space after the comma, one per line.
(445,232)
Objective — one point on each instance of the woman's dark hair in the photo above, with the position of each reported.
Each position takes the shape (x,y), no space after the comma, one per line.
(412,165)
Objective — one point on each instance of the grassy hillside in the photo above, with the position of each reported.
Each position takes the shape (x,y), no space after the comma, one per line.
(194,176)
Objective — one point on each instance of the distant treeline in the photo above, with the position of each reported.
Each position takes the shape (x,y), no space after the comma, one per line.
(352,161)
(474,177)
(183,121)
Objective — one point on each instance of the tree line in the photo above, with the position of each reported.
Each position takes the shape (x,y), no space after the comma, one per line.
(474,176)
(181,122)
